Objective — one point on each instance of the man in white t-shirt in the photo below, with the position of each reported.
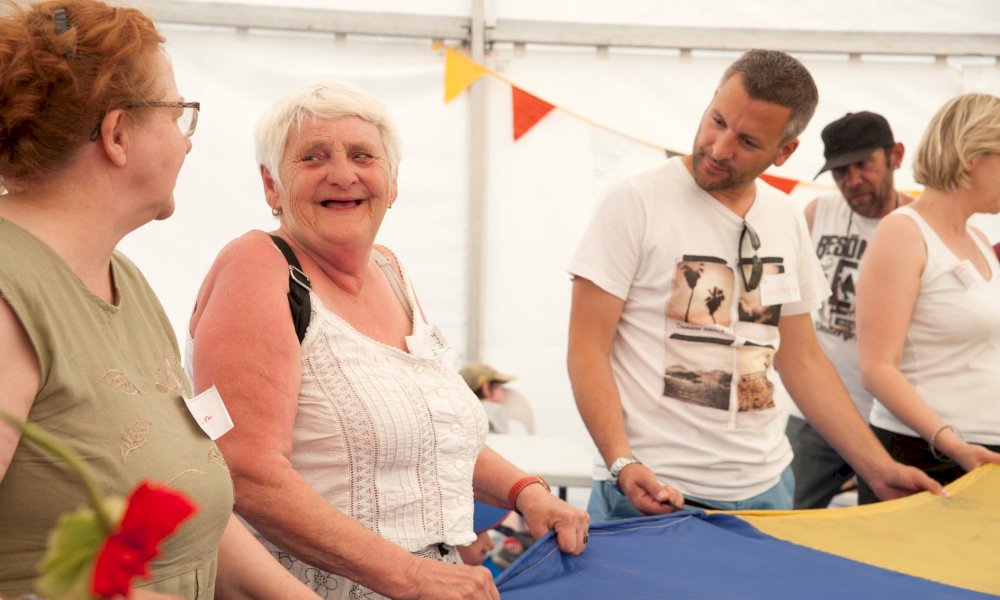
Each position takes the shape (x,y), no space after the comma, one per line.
(684,284)
(862,154)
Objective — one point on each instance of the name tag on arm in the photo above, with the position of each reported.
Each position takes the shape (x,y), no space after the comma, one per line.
(779,288)
(210,413)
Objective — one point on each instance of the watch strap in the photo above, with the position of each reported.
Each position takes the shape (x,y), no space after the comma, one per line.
(620,463)
(520,484)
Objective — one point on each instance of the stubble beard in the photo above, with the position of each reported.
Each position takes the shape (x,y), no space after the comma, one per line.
(728,182)
(881,202)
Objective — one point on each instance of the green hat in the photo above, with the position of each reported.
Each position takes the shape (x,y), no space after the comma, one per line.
(478,374)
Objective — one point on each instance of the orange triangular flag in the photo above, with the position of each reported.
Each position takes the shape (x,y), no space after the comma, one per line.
(782,183)
(528,110)
(459,73)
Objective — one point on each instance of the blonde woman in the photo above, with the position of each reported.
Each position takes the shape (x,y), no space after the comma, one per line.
(929,303)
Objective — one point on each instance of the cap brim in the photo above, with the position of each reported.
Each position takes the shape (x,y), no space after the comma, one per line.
(487,516)
(846,159)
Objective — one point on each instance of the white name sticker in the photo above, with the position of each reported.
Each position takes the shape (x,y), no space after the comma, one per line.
(967,274)
(779,288)
(429,344)
(210,413)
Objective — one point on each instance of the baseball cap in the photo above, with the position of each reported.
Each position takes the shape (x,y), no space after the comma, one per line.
(853,137)
(478,374)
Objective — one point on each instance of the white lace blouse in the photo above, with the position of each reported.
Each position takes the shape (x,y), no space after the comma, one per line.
(388,437)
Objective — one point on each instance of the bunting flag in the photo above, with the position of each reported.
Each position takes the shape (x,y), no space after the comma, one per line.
(782,183)
(460,72)
(528,110)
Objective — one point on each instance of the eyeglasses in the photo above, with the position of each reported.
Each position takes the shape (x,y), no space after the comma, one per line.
(187,122)
(757,267)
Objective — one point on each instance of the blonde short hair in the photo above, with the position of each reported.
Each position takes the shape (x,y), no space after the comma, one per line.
(965,128)
(324,100)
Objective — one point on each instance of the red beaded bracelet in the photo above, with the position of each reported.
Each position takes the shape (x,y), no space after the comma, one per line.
(520,484)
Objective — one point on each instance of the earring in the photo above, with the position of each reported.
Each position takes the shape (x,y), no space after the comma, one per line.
(390,204)
(276,211)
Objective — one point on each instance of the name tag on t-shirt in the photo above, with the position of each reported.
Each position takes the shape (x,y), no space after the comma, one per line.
(210,413)
(967,274)
(779,288)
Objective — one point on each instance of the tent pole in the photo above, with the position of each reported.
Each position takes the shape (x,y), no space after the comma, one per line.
(477,201)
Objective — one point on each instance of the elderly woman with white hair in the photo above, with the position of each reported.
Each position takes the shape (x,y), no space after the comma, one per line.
(358,449)
(928,303)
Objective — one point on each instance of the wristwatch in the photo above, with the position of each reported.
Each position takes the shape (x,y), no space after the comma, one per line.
(620,463)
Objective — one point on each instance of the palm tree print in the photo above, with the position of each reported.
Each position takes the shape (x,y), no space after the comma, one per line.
(713,301)
(691,275)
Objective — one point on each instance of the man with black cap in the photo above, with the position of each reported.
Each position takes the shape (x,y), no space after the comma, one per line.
(861,154)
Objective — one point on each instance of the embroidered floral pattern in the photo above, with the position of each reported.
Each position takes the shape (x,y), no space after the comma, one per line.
(285,559)
(117,379)
(134,438)
(214,456)
(359,592)
(321,582)
(336,587)
(171,378)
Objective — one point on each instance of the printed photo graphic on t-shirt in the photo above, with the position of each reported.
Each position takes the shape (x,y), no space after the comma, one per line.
(750,308)
(755,391)
(699,370)
(701,291)
(837,311)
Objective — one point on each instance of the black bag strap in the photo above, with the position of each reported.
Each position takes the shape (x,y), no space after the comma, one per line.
(298,289)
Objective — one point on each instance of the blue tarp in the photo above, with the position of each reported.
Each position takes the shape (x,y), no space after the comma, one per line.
(694,555)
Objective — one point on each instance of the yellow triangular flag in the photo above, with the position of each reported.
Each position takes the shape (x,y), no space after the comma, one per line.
(459,73)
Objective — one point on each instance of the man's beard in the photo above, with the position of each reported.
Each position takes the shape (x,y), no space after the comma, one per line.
(880,199)
(730,181)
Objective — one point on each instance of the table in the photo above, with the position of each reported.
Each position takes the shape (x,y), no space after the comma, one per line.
(561,461)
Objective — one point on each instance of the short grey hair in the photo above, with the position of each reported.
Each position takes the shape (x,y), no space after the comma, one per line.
(323,100)
(776,77)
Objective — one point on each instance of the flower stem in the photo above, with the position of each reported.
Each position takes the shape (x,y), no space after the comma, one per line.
(40,437)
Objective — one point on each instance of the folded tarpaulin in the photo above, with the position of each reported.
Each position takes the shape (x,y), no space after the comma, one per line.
(954,540)
(693,555)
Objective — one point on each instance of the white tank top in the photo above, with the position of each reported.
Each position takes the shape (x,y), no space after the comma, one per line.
(951,355)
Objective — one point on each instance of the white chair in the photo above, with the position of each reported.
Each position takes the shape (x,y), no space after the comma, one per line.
(519,409)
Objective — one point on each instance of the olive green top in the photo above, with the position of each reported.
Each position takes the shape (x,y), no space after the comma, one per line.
(112,388)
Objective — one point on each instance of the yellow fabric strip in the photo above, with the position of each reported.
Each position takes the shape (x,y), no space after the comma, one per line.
(954,540)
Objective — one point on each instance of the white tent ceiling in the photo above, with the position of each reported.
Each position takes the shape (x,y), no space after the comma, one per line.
(486,225)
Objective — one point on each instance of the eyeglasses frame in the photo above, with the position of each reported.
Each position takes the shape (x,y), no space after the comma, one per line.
(156,104)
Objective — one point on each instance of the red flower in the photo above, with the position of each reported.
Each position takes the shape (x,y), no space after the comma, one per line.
(152,514)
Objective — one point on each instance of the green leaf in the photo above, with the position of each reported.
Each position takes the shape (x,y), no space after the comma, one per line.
(73,544)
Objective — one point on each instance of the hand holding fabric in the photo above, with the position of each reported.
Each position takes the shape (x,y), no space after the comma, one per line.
(898,480)
(647,494)
(544,512)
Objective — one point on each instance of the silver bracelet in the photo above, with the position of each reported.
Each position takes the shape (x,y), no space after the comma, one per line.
(932,444)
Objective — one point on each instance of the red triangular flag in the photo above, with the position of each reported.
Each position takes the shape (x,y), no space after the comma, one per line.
(782,183)
(528,110)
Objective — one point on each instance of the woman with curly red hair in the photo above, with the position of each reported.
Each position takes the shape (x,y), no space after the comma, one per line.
(93,133)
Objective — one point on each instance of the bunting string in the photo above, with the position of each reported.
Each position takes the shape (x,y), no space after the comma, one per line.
(461,72)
